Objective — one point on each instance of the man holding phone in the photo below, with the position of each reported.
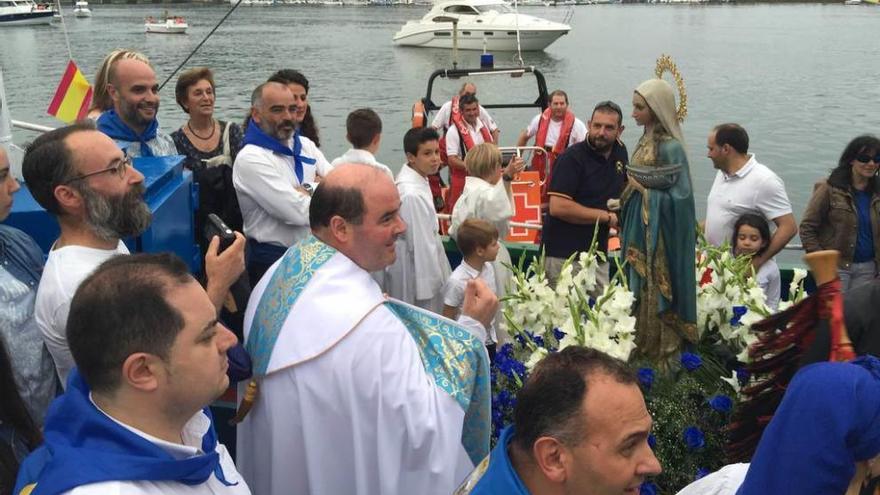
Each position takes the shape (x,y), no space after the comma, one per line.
(81,177)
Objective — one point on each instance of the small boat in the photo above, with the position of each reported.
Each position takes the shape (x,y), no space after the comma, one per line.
(81,9)
(171,25)
(479,25)
(24,12)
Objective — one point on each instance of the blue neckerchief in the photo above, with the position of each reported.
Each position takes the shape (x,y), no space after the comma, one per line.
(500,477)
(84,446)
(828,420)
(110,124)
(255,136)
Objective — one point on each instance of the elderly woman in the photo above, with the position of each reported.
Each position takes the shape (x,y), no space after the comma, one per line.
(844,213)
(210,147)
(659,228)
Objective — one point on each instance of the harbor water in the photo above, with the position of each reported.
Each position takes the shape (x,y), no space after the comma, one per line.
(799,77)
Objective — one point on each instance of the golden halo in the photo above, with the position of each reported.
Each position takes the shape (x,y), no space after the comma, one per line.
(665,63)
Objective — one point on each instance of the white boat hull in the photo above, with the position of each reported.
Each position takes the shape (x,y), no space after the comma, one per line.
(166,28)
(499,40)
(82,13)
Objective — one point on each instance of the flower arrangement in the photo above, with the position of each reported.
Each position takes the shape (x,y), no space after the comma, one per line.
(691,402)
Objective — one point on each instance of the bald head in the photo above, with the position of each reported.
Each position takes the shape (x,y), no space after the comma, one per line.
(356,209)
(134,90)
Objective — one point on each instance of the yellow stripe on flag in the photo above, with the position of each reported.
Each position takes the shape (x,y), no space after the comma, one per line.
(73,96)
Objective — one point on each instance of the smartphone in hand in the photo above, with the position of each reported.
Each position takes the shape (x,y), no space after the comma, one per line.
(215,226)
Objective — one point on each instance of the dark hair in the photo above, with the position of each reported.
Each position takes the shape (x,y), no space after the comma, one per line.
(48,162)
(608,106)
(121,309)
(418,136)
(332,200)
(734,135)
(475,233)
(559,92)
(308,128)
(754,221)
(187,80)
(550,403)
(841,175)
(467,99)
(363,125)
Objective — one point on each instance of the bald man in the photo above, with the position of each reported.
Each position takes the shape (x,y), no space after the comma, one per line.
(132,123)
(359,394)
(21,265)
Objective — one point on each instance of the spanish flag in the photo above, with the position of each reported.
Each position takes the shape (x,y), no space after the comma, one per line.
(73,96)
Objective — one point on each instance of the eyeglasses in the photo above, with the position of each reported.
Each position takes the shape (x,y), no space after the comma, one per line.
(868,158)
(118,168)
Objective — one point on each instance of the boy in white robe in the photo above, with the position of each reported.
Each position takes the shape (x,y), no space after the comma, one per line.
(421,268)
(364,132)
(358,394)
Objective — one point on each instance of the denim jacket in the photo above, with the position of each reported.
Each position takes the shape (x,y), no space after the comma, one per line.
(20,255)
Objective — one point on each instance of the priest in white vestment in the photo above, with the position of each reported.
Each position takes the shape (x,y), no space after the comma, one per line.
(359,394)
(421,268)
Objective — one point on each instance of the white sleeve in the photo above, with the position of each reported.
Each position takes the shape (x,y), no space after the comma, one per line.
(532,129)
(769,280)
(772,200)
(487,119)
(725,481)
(400,279)
(261,181)
(322,165)
(441,120)
(578,132)
(453,147)
(55,336)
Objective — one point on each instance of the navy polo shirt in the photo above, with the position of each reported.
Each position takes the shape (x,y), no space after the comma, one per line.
(587,177)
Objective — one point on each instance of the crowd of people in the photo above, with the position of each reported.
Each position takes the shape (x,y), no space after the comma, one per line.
(361,356)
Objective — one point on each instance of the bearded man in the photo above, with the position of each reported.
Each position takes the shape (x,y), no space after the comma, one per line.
(81,177)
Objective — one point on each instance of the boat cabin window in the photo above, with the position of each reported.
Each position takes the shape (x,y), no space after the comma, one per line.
(501,8)
(461,9)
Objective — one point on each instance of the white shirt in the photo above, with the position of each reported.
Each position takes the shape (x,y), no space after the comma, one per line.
(453,292)
(349,408)
(191,435)
(578,131)
(65,269)
(725,481)
(421,268)
(441,120)
(453,143)
(752,189)
(361,156)
(769,281)
(273,211)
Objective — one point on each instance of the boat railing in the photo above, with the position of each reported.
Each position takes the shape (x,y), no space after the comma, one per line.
(540,102)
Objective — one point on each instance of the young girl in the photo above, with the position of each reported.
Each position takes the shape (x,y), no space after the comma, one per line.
(751,236)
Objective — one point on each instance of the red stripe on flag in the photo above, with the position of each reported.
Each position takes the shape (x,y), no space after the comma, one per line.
(84,108)
(62,88)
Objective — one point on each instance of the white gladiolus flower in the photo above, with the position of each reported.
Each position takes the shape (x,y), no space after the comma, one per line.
(536,357)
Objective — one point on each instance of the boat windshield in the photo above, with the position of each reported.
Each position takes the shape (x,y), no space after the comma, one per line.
(501,8)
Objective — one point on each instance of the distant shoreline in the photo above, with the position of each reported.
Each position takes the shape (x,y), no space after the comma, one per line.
(226,2)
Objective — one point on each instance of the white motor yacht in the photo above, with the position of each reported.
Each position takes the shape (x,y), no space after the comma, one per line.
(171,25)
(81,9)
(479,24)
(21,12)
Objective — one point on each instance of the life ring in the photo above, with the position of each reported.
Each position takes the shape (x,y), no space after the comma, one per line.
(418,114)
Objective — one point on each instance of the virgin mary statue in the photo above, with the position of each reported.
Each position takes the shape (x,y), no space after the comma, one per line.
(658,235)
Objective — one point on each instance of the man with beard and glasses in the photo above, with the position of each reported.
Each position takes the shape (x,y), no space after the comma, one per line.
(132,123)
(274,177)
(585,177)
(82,178)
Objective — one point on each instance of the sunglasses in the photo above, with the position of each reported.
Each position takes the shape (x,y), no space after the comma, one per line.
(867,158)
(118,168)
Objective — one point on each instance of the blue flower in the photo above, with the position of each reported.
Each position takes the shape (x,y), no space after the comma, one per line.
(537,339)
(702,473)
(558,333)
(694,438)
(646,378)
(721,403)
(738,312)
(743,376)
(652,441)
(648,488)
(690,361)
